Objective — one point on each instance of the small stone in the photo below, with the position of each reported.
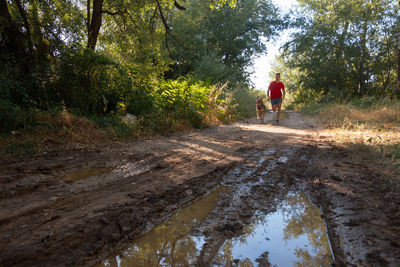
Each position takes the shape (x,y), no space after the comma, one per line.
(129,118)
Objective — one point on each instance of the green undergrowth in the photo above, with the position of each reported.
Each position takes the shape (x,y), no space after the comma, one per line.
(174,105)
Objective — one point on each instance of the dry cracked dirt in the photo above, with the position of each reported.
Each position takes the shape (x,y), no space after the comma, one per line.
(75,208)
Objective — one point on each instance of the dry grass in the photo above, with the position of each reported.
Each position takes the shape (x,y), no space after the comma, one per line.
(348,116)
(372,129)
(54,132)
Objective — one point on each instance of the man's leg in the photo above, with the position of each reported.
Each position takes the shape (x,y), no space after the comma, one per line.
(279,111)
(273,108)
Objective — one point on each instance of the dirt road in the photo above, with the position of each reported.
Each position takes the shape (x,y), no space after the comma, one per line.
(75,207)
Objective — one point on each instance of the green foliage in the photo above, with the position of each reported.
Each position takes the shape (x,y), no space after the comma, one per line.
(221,3)
(84,80)
(115,122)
(183,99)
(219,43)
(343,49)
(160,68)
(243,100)
(21,149)
(11,116)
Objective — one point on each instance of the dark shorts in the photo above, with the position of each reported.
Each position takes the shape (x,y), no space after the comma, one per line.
(276,101)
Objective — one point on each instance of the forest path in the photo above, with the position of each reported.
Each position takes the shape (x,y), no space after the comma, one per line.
(74,207)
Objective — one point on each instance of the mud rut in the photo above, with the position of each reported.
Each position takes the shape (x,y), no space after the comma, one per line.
(77,207)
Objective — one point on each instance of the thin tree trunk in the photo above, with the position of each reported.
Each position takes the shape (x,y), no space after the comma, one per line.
(340,58)
(361,71)
(95,24)
(398,66)
(22,12)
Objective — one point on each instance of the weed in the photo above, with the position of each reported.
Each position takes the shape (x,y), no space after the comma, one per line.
(21,149)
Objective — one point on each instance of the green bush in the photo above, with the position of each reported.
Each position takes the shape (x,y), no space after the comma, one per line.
(244,100)
(13,117)
(115,122)
(182,99)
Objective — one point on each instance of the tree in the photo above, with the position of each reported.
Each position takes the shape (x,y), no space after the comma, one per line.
(346,48)
(219,43)
(12,38)
(398,64)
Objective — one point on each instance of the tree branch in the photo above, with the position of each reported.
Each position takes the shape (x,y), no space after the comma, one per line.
(168,31)
(162,17)
(152,19)
(178,6)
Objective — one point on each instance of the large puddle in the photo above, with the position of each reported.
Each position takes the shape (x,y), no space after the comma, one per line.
(258,218)
(292,235)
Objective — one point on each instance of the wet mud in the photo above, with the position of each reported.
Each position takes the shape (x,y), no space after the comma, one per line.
(229,196)
(257,217)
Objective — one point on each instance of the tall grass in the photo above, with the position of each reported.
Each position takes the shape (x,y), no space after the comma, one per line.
(366,113)
(366,124)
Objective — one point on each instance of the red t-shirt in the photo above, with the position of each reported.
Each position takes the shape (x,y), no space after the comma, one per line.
(275,88)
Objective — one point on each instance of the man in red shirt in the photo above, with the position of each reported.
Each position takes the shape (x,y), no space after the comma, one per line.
(276,92)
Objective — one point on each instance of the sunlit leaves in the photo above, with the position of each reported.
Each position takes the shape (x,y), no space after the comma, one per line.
(221,3)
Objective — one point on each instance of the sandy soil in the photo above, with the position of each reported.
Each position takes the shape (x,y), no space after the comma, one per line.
(75,207)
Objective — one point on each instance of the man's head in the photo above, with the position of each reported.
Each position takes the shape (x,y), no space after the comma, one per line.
(278,77)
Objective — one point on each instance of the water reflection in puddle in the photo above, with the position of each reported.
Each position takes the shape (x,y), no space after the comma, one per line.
(170,244)
(293,235)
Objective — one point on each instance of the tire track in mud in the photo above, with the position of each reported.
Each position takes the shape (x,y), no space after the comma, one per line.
(361,207)
(256,187)
(249,192)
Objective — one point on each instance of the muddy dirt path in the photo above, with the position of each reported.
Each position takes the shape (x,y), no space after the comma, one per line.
(77,207)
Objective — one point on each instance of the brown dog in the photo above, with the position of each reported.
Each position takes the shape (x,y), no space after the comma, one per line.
(260,109)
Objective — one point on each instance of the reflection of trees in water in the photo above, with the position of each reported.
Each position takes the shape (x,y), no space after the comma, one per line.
(169,243)
(225,258)
(303,217)
(164,247)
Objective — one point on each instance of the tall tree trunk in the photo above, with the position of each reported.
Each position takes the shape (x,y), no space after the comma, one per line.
(398,68)
(95,23)
(362,68)
(340,59)
(398,65)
